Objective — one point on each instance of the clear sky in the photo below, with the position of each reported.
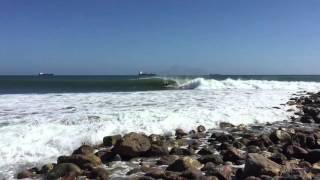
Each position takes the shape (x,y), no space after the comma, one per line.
(162,36)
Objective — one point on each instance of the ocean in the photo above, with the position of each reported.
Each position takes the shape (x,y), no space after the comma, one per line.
(42,118)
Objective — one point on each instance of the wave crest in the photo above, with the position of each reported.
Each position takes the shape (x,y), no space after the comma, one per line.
(202,83)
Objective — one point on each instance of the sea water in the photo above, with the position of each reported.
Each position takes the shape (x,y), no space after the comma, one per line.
(36,128)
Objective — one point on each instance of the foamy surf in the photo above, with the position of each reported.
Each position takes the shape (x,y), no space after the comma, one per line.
(37,128)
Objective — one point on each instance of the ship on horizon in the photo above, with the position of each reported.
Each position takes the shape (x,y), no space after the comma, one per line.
(45,74)
(143,74)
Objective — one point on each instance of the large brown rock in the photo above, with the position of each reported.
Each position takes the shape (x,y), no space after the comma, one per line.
(184,164)
(221,171)
(84,149)
(99,174)
(257,165)
(132,145)
(66,170)
(280,136)
(83,161)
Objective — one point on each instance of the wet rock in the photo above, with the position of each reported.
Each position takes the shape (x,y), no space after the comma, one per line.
(222,172)
(253,149)
(25,174)
(132,145)
(257,165)
(198,135)
(84,150)
(157,150)
(99,174)
(111,140)
(180,133)
(305,165)
(262,141)
(145,178)
(294,151)
(311,142)
(306,119)
(184,164)
(313,156)
(275,149)
(238,144)
(46,168)
(182,151)
(156,173)
(266,177)
(80,160)
(216,159)
(316,168)
(225,125)
(107,156)
(207,166)
(156,139)
(206,151)
(66,170)
(299,139)
(232,154)
(222,137)
(252,178)
(278,158)
(209,178)
(280,136)
(201,129)
(192,174)
(167,160)
(224,146)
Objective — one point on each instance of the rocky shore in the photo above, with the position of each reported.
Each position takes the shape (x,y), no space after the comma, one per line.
(288,149)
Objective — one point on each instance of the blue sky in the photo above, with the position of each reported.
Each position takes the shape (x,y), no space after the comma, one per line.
(167,36)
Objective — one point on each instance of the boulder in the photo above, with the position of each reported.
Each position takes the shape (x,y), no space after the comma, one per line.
(107,156)
(184,164)
(65,170)
(157,150)
(280,136)
(222,137)
(223,172)
(294,151)
(111,140)
(180,133)
(278,158)
(257,165)
(83,161)
(232,154)
(216,159)
(99,174)
(84,150)
(313,156)
(167,160)
(181,151)
(206,151)
(132,145)
(156,173)
(192,174)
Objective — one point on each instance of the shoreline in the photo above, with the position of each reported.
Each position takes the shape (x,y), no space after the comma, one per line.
(286,149)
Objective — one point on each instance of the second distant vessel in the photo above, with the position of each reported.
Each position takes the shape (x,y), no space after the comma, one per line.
(143,74)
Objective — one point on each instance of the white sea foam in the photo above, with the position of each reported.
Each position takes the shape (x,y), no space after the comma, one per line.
(37,128)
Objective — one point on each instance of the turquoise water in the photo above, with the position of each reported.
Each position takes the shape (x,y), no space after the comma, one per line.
(59,84)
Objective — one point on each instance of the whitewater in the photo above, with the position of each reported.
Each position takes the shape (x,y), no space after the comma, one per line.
(37,128)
